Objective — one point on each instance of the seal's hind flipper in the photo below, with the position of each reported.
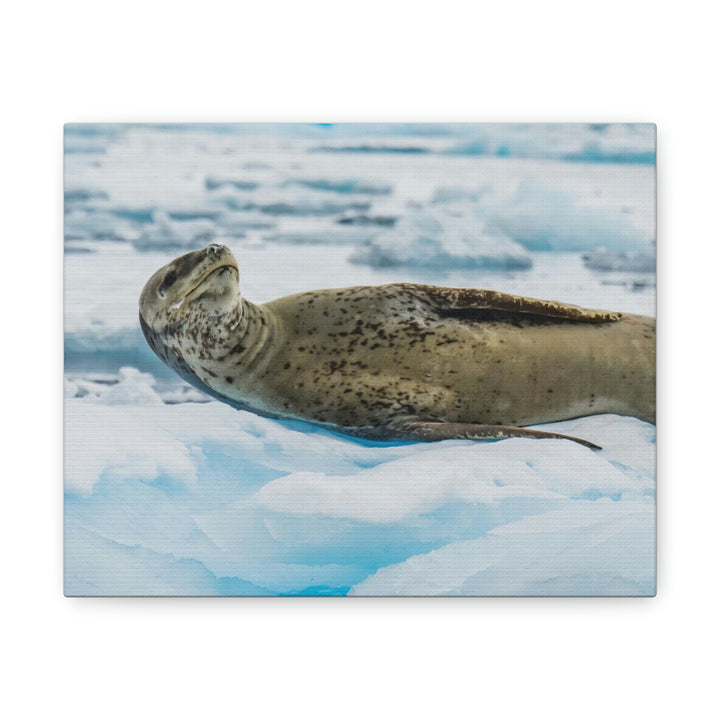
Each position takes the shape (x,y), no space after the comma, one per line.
(431,431)
(467,300)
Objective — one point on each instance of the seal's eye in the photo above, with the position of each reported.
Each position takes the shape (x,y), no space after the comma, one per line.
(168,280)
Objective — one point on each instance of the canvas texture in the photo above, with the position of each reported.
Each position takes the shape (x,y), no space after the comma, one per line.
(359,360)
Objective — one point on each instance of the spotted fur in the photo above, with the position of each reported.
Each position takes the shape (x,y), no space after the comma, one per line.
(399,360)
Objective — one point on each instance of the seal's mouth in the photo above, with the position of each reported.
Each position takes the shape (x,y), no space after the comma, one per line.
(215,271)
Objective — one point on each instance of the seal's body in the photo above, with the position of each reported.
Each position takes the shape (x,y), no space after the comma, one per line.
(398,361)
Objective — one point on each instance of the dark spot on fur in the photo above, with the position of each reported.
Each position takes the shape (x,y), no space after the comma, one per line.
(334,366)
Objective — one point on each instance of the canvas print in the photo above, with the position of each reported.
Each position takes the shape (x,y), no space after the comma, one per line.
(359,359)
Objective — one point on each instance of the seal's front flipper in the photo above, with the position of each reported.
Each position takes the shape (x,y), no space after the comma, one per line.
(432,431)
(466,300)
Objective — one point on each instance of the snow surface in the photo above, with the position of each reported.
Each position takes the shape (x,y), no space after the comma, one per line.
(169,492)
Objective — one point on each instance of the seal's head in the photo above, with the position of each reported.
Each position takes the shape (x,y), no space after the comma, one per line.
(205,280)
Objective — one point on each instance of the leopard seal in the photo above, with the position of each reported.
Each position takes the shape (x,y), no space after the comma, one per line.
(399,361)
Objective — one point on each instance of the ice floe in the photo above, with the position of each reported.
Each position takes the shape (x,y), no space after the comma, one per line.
(600,547)
(442,242)
(219,501)
(642,262)
(167,233)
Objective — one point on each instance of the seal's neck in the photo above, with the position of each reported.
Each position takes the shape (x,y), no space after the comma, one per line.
(243,336)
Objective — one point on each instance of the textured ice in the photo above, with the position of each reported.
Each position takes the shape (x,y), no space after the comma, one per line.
(360,220)
(128,386)
(612,143)
(324,231)
(600,547)
(442,241)
(203,499)
(374,147)
(237,224)
(97,225)
(178,234)
(642,262)
(629,143)
(445,194)
(542,218)
(251,178)
(294,202)
(212,182)
(83,195)
(345,186)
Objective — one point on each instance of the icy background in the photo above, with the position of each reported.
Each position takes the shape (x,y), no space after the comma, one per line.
(168,492)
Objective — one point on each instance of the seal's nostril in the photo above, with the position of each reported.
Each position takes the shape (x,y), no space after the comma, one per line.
(213,248)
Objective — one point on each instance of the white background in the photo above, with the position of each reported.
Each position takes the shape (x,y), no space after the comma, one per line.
(323,61)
